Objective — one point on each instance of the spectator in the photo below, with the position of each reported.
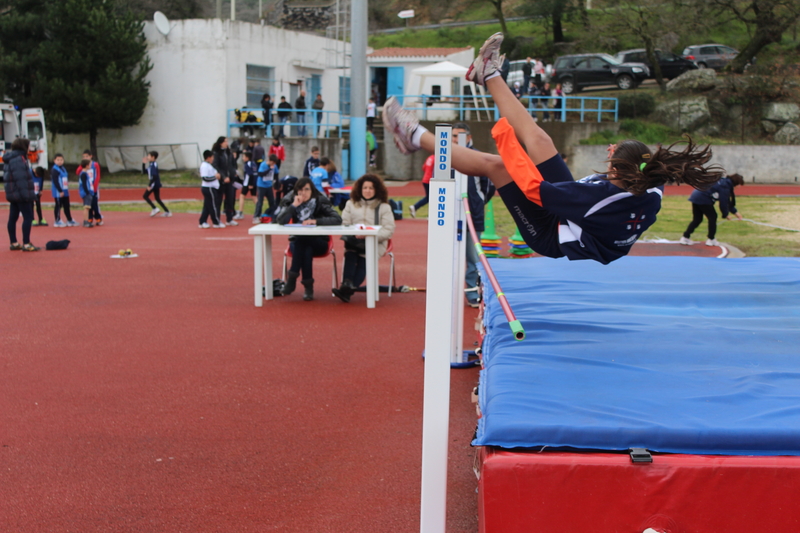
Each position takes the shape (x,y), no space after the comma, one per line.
(544,103)
(372,146)
(336,181)
(369,204)
(300,106)
(266,175)
(318,105)
(427,174)
(371,113)
(283,186)
(94,174)
(277,149)
(266,105)
(320,175)
(538,72)
(306,205)
(504,68)
(59,187)
(517,90)
(86,190)
(703,205)
(20,193)
(258,151)
(526,75)
(558,101)
(154,184)
(38,186)
(312,162)
(249,183)
(284,115)
(210,188)
(223,162)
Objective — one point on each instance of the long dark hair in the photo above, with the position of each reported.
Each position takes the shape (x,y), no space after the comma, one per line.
(302,182)
(638,169)
(218,145)
(21,144)
(380,189)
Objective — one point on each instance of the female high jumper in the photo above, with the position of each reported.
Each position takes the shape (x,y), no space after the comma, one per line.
(599,217)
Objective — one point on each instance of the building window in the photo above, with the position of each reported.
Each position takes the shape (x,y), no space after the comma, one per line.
(344,95)
(260,80)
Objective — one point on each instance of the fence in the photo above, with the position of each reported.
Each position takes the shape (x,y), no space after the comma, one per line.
(465,107)
(178,156)
(332,124)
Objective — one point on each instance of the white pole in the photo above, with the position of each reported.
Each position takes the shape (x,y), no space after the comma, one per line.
(260,11)
(233,9)
(461,263)
(442,247)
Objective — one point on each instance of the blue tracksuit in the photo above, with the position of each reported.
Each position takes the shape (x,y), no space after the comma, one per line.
(85,187)
(250,173)
(152,173)
(265,175)
(58,181)
(722,191)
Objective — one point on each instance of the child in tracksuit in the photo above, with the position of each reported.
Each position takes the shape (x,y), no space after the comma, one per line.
(266,175)
(38,185)
(210,189)
(59,187)
(249,182)
(94,174)
(86,190)
(703,205)
(154,186)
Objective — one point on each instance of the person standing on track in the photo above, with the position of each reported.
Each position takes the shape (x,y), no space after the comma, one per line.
(154,185)
(20,193)
(223,162)
(703,206)
(599,217)
(38,184)
(86,190)
(210,189)
(59,187)
(427,174)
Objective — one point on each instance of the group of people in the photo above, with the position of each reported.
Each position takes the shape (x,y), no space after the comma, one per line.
(284,110)
(544,96)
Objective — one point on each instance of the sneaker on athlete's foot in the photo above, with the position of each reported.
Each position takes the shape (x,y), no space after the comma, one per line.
(87,224)
(99,222)
(488,60)
(233,223)
(204,225)
(401,123)
(43,222)
(59,224)
(72,224)
(167,214)
(412,211)
(685,240)
(256,220)
(220,225)
(155,211)
(712,242)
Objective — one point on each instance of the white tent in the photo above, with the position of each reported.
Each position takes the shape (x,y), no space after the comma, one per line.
(448,69)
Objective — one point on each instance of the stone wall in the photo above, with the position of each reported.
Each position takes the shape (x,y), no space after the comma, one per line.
(302,16)
(758,164)
(565,135)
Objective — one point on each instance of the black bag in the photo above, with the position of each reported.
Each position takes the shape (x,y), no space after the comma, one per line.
(353,243)
(57,245)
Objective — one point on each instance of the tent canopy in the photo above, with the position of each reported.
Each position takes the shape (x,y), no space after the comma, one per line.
(443,69)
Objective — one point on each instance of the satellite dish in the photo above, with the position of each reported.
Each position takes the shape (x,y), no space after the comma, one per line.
(162,22)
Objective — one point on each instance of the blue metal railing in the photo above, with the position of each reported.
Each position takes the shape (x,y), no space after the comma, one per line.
(332,124)
(564,107)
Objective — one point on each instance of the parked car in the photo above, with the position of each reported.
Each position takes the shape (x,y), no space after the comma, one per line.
(714,56)
(574,72)
(515,73)
(672,65)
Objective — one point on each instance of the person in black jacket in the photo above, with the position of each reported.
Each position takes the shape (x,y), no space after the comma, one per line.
(284,115)
(20,194)
(266,105)
(703,205)
(300,106)
(306,205)
(223,162)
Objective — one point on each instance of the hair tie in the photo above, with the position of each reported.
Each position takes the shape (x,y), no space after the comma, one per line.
(641,167)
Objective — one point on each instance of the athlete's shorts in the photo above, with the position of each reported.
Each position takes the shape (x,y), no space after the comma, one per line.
(249,189)
(87,200)
(538,226)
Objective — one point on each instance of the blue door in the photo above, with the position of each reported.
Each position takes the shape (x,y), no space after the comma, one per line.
(395,83)
(315,87)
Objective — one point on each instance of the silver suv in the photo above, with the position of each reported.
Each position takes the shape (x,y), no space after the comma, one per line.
(714,56)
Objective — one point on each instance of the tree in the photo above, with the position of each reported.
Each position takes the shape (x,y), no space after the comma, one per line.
(87,67)
(21,31)
(553,12)
(498,9)
(768,18)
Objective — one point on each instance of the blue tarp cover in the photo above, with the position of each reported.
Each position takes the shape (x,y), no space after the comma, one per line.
(673,354)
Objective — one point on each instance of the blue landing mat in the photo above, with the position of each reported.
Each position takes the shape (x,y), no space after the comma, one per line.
(672,354)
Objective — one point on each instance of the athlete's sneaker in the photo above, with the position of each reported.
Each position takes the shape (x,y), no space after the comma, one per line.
(155,211)
(167,214)
(685,241)
(59,224)
(712,242)
(72,224)
(220,225)
(204,225)
(401,123)
(488,60)
(98,222)
(238,216)
(35,223)
(412,211)
(87,224)
(233,223)
(256,220)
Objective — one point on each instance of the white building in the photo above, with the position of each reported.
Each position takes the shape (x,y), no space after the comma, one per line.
(202,69)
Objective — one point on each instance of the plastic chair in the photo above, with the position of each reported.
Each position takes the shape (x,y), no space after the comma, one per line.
(330,251)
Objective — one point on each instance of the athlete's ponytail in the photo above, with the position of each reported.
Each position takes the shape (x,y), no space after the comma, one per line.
(638,169)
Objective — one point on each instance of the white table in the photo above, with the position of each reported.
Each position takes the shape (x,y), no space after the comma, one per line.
(262,254)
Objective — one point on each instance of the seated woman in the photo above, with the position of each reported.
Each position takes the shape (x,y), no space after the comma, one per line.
(305,205)
(368,205)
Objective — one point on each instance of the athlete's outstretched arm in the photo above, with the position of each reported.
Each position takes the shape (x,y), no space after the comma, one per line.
(472,162)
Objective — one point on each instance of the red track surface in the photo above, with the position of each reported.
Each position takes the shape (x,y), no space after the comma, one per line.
(150,395)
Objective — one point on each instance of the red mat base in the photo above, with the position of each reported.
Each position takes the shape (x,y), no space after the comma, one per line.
(565,492)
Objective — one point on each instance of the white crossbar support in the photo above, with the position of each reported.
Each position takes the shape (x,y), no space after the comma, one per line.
(439,339)
(461,263)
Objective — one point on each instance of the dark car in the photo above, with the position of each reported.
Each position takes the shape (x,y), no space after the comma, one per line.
(574,72)
(714,56)
(672,65)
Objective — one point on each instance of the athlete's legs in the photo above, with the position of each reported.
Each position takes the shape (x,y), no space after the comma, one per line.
(472,162)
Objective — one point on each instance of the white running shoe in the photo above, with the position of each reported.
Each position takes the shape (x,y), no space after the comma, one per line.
(256,220)
(488,60)
(167,214)
(59,224)
(155,211)
(685,241)
(712,242)
(412,211)
(401,123)
(238,216)
(204,225)
(72,224)
(233,223)
(220,225)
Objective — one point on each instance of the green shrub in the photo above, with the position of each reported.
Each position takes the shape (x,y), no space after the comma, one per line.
(636,104)
(647,132)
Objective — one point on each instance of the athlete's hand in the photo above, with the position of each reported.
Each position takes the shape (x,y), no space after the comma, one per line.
(310,222)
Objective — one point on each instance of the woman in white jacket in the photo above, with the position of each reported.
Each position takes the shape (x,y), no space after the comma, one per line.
(368,205)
